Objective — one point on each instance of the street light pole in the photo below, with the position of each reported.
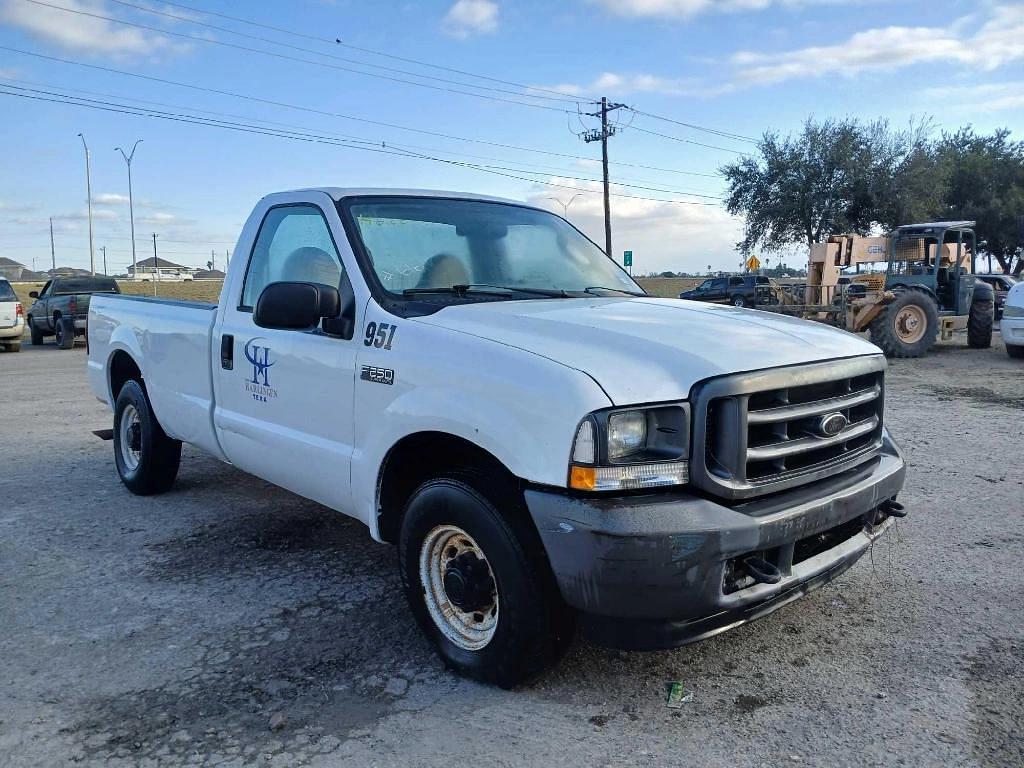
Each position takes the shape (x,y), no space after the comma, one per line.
(565,206)
(131,202)
(88,189)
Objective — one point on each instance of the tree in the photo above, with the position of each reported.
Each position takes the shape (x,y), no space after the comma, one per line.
(804,187)
(985,184)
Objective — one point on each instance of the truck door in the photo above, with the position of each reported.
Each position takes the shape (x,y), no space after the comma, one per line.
(284,400)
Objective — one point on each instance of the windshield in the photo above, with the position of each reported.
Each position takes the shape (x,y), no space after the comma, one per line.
(424,244)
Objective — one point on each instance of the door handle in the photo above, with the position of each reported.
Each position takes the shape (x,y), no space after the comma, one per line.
(227,352)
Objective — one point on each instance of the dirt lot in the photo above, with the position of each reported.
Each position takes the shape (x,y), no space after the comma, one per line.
(175,630)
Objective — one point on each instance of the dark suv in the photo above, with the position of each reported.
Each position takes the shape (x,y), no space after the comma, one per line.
(739,290)
(1001,284)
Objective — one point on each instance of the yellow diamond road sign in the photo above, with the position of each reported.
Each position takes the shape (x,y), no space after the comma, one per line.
(753,263)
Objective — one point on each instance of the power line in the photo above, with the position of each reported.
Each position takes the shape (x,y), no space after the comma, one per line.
(187,20)
(36,95)
(305,131)
(694,126)
(686,141)
(368,121)
(287,57)
(338,41)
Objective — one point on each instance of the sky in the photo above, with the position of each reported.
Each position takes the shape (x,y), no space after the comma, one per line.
(233,100)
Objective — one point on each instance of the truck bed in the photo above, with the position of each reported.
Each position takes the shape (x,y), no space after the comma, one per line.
(172,340)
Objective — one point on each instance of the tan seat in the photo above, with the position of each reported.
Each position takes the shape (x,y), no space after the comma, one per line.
(443,271)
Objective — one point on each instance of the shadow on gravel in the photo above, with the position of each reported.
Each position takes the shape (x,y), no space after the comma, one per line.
(332,657)
(978,395)
(997,703)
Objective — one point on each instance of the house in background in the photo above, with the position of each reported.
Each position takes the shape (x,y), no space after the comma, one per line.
(19,273)
(155,268)
(208,274)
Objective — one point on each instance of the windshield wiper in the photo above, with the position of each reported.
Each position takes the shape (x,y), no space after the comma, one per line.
(488,289)
(594,288)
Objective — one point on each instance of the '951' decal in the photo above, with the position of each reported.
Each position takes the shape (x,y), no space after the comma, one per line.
(379,336)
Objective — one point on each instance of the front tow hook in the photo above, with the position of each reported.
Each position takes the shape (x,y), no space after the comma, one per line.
(761,571)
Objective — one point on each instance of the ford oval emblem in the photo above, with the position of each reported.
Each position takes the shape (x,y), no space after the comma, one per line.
(832,424)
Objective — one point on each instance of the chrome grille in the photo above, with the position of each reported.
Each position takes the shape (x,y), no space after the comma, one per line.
(766,431)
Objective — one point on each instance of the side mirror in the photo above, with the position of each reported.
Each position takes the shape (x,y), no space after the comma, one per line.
(296,306)
(33,294)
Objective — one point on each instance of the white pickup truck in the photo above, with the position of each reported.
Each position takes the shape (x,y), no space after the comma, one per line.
(546,444)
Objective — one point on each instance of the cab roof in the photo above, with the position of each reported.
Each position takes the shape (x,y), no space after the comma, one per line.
(339,193)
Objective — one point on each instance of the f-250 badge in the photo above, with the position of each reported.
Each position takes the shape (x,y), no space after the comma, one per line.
(377,375)
(258,354)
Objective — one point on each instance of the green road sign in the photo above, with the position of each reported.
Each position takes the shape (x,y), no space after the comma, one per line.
(627,258)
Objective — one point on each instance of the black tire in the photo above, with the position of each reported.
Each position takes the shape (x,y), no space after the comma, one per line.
(883,327)
(739,301)
(158,457)
(1015,350)
(534,626)
(979,324)
(65,333)
(37,335)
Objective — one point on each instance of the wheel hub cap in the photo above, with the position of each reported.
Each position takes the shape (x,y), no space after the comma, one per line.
(468,583)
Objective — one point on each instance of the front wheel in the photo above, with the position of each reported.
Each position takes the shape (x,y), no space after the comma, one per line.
(147,459)
(739,301)
(907,327)
(478,582)
(37,335)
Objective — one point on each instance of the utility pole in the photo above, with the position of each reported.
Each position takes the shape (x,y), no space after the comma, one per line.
(602,135)
(156,269)
(53,253)
(88,189)
(104,249)
(213,259)
(131,203)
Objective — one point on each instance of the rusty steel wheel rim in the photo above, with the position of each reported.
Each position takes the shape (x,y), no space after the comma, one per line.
(471,630)
(910,324)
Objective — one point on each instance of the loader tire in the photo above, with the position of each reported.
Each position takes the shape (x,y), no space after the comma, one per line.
(979,324)
(909,326)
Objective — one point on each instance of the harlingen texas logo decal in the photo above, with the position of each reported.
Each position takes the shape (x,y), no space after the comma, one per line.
(257,352)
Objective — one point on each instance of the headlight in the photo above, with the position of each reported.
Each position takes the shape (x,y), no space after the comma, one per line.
(1010,311)
(631,448)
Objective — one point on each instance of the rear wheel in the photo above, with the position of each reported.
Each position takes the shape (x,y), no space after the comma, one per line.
(478,582)
(37,335)
(1014,350)
(65,333)
(979,324)
(147,459)
(739,301)
(908,326)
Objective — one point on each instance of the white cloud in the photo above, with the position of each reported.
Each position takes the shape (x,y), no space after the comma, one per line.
(110,198)
(98,214)
(85,33)
(467,18)
(684,9)
(616,84)
(984,97)
(663,236)
(998,41)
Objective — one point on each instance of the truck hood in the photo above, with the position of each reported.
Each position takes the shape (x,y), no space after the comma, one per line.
(642,350)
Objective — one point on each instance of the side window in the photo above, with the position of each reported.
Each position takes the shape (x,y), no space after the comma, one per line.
(718,285)
(736,282)
(294,244)
(46,290)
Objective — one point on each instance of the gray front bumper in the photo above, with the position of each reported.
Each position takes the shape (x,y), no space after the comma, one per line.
(650,571)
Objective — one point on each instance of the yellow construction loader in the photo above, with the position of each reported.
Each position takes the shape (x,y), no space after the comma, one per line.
(922,286)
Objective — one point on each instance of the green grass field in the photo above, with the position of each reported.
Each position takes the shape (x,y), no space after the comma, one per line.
(196,290)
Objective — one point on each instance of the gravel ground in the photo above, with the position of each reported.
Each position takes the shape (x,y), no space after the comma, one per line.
(232,623)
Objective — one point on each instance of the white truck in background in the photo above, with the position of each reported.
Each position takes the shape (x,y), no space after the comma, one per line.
(546,444)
